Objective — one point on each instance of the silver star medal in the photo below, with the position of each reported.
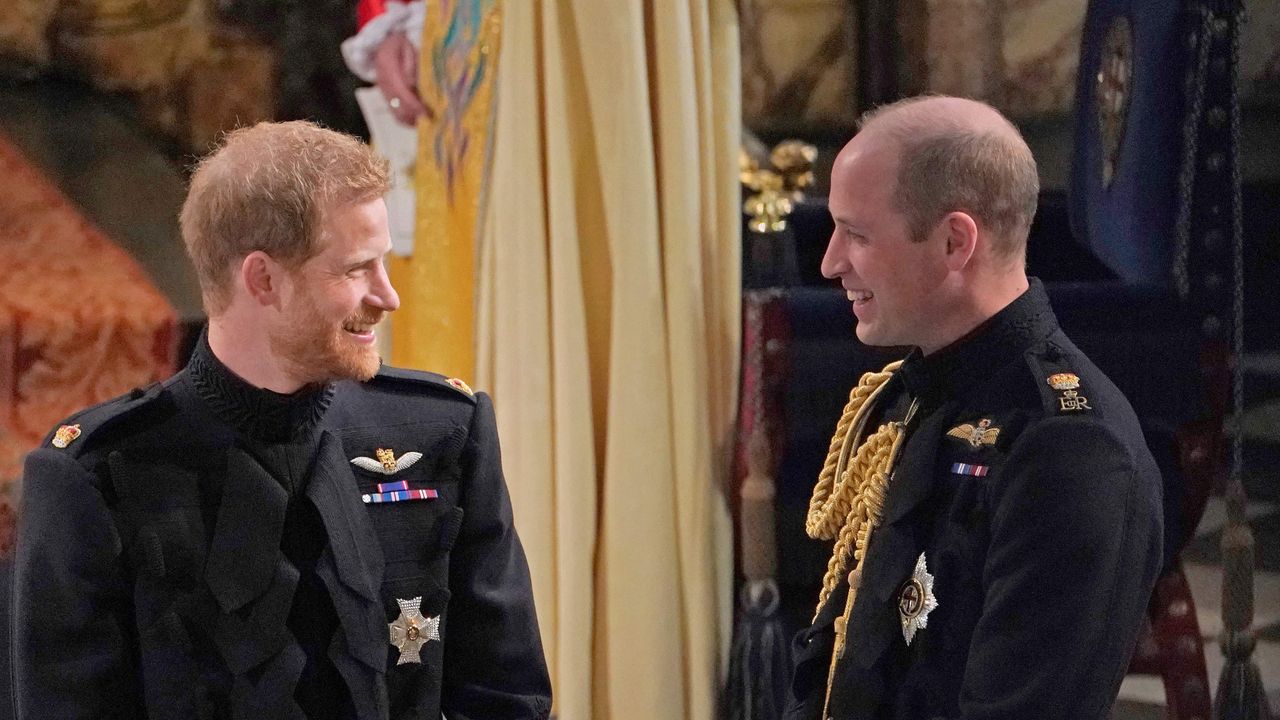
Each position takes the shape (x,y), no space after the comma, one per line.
(916,600)
(411,630)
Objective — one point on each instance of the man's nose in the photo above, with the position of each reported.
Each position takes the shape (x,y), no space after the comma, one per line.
(834,263)
(383,292)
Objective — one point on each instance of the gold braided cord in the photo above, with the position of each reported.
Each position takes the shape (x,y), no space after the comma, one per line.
(869,474)
(849,497)
(848,500)
(823,513)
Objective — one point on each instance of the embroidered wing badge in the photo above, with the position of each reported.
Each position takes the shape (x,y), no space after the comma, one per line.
(387,462)
(916,600)
(412,630)
(976,435)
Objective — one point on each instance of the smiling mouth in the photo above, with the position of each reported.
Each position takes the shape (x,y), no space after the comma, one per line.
(359,328)
(859,297)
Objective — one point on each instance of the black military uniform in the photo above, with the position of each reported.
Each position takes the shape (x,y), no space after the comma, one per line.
(208,549)
(1019,544)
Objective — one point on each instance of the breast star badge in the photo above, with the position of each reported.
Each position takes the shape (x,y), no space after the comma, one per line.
(65,435)
(411,630)
(916,600)
(387,462)
(976,435)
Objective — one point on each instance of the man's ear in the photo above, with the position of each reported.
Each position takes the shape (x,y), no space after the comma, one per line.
(961,238)
(262,278)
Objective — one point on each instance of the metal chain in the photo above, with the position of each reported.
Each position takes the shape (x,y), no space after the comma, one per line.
(1237,230)
(1196,81)
(755,361)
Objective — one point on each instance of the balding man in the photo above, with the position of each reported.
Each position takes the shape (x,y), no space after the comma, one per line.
(287,528)
(995,510)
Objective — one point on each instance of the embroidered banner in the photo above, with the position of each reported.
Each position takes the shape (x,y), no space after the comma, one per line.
(435,326)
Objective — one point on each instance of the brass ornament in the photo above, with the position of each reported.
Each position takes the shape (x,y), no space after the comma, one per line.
(779,188)
(794,160)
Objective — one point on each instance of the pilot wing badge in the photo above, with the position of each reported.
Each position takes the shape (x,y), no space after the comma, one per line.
(387,463)
(976,435)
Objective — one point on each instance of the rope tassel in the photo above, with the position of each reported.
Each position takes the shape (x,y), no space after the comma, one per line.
(759,661)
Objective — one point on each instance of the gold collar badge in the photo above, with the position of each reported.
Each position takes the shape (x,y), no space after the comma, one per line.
(387,462)
(1067,384)
(916,600)
(412,630)
(977,436)
(65,435)
(1064,381)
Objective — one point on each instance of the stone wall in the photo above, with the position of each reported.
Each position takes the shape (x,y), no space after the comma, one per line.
(798,63)
(1020,55)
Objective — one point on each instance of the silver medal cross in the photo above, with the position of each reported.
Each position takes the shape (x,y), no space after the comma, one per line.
(411,630)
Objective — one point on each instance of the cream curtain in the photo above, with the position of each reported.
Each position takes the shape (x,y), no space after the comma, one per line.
(607,331)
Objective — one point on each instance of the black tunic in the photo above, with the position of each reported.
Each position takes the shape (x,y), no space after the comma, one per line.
(202,551)
(1043,543)
(282,434)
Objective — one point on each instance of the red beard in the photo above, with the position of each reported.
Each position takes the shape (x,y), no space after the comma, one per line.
(316,350)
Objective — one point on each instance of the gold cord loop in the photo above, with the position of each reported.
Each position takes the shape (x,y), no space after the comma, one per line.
(849,496)
(848,500)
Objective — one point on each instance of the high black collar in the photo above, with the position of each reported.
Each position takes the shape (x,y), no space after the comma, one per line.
(257,412)
(1003,338)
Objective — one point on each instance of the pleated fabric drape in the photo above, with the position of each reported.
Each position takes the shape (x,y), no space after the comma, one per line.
(603,316)
(608,330)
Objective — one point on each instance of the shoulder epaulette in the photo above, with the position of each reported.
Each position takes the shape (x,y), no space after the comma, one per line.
(76,430)
(1060,387)
(429,379)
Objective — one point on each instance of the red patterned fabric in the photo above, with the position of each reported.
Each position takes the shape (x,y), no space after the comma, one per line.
(367,10)
(765,329)
(1171,647)
(80,322)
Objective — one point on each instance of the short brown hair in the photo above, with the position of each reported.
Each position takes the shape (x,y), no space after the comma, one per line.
(945,166)
(265,188)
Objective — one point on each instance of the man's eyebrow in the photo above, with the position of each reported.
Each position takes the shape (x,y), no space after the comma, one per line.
(358,260)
